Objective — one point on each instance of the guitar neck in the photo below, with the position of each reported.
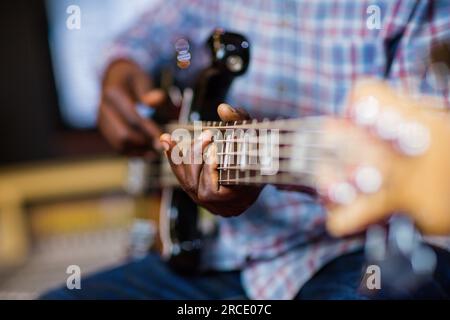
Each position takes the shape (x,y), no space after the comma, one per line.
(281,152)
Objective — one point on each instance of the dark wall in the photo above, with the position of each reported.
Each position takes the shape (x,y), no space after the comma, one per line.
(28,105)
(31,127)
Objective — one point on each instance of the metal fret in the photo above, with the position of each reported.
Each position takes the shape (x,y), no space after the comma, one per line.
(306,180)
(238,145)
(221,157)
(285,124)
(284,166)
(228,157)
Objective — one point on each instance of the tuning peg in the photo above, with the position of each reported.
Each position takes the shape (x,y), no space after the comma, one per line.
(387,124)
(230,51)
(368,179)
(413,138)
(375,246)
(366,111)
(342,193)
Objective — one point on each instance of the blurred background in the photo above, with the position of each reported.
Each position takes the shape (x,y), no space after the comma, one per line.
(62,189)
(66,198)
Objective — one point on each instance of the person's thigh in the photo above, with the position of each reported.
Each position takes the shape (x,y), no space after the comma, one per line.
(341,279)
(151,278)
(337,280)
(435,287)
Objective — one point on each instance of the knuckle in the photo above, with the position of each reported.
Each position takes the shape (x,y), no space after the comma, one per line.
(190,187)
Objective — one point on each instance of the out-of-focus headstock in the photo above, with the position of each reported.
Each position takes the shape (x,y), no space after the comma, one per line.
(230,52)
(393,155)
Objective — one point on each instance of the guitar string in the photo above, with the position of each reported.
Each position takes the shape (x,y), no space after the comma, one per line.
(286,137)
(254,177)
(286,124)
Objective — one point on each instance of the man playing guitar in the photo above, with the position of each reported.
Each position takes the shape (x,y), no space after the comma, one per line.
(306,58)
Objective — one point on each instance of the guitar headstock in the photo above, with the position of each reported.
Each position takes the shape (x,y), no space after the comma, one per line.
(390,153)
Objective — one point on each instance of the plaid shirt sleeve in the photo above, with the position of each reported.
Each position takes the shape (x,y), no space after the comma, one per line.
(306,56)
(150,40)
(411,69)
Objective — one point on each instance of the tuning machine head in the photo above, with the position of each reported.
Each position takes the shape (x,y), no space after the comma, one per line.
(230,52)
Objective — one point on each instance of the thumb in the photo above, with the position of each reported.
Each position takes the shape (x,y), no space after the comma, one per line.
(140,85)
(228,113)
(154,98)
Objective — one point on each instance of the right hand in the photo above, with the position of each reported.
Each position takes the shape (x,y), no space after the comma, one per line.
(124,85)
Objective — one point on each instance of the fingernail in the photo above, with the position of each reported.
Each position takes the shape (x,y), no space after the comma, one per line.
(157,145)
(224,105)
(165,145)
(232,109)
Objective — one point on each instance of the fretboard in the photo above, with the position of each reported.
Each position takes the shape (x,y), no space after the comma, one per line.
(281,152)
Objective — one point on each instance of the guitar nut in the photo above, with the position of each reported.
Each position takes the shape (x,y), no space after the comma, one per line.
(413,138)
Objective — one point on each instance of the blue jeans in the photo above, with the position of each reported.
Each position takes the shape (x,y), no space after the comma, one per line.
(151,278)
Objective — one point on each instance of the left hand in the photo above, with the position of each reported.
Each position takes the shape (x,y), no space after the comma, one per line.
(200,181)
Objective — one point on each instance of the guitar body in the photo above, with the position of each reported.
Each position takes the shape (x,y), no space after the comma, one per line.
(180,225)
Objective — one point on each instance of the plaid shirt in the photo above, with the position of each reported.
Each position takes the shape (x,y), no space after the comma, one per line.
(305,56)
